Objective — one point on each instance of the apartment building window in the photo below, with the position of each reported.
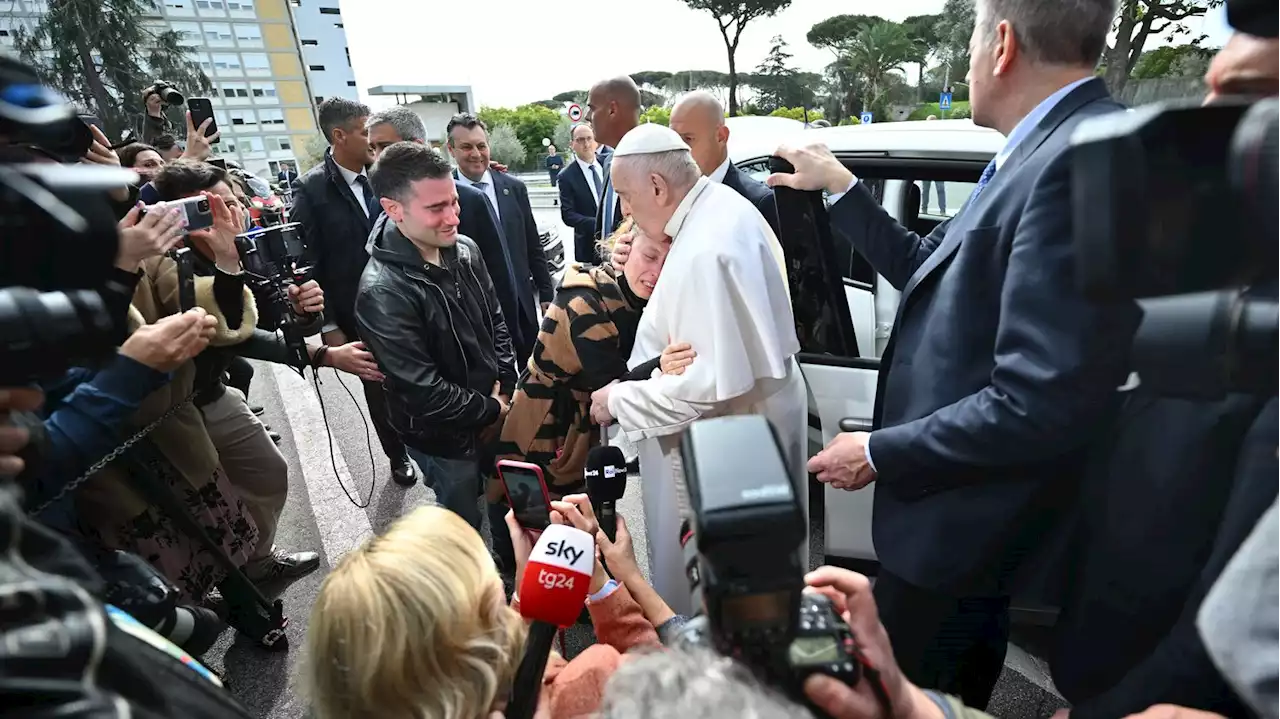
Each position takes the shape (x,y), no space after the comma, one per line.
(244,118)
(179,7)
(190,32)
(279,144)
(228,145)
(295,3)
(227,64)
(264,93)
(203,60)
(249,145)
(240,8)
(217,34)
(351,83)
(256,64)
(330,11)
(317,68)
(249,35)
(347,50)
(211,8)
(310,42)
(235,93)
(271,117)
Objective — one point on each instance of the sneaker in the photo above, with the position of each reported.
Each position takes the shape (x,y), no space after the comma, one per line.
(282,565)
(405,472)
(275,436)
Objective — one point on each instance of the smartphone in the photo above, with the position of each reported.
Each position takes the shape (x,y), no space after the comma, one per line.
(201,109)
(527,493)
(199,214)
(93,121)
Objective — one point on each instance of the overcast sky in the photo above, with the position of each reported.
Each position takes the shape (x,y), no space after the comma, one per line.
(516,51)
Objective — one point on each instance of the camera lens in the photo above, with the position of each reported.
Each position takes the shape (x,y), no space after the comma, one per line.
(203,206)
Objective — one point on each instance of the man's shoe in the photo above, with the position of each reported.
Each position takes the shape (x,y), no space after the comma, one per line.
(282,565)
(257,409)
(405,472)
(275,436)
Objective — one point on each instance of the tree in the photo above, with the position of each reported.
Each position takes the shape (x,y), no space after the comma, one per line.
(953,30)
(563,136)
(659,115)
(796,113)
(774,78)
(1138,20)
(505,147)
(1172,61)
(531,124)
(732,18)
(837,31)
(571,96)
(876,52)
(312,153)
(104,55)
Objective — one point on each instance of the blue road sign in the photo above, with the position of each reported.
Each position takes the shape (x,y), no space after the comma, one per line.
(944,101)
(867,118)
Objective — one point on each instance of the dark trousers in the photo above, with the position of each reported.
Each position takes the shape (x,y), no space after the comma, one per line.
(240,374)
(376,397)
(953,644)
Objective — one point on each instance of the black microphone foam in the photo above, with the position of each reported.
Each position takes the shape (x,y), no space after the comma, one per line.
(606,475)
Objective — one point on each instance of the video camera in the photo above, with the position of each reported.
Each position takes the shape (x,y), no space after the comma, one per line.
(58,236)
(743,561)
(272,257)
(1175,206)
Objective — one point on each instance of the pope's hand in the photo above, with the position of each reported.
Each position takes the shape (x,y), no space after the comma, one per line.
(621,251)
(600,405)
(844,464)
(816,169)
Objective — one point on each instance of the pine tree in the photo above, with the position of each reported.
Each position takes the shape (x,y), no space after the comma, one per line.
(101,55)
(774,79)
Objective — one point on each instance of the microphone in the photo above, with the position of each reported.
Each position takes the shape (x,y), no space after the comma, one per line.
(606,475)
(552,592)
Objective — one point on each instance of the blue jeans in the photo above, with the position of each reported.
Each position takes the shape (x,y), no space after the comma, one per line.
(456,483)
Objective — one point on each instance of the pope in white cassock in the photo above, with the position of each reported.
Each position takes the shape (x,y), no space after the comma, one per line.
(723,290)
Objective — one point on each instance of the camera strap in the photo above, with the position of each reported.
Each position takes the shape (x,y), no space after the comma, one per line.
(113,455)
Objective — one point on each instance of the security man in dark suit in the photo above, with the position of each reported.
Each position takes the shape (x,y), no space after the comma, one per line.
(613,109)
(509,200)
(581,185)
(999,371)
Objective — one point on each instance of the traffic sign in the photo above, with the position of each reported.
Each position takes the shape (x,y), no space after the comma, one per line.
(867,118)
(575,112)
(944,101)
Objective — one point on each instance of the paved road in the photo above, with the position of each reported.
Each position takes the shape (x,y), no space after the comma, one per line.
(334,458)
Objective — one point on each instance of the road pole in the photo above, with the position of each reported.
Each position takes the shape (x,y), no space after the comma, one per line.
(946,82)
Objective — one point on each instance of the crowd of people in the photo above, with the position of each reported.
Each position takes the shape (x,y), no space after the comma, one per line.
(997,416)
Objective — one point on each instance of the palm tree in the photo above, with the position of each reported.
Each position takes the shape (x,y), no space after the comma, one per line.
(875,52)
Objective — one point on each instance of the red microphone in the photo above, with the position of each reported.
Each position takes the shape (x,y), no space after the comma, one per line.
(555,586)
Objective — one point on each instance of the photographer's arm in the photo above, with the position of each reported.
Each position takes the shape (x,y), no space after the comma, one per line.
(351,357)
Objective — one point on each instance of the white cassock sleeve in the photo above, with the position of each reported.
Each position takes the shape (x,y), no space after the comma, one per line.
(733,309)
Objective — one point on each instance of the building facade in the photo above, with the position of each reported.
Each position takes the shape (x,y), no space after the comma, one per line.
(271,63)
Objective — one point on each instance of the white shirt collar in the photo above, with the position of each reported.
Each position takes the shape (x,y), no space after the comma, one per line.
(586,166)
(685,207)
(717,176)
(486,178)
(348,175)
(1033,118)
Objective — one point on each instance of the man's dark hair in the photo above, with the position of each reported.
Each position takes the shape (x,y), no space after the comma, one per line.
(164,143)
(340,112)
(403,164)
(184,178)
(129,153)
(464,119)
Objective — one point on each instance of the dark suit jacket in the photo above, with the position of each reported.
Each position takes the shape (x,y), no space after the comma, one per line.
(605,156)
(520,232)
(477,221)
(998,370)
(578,209)
(335,229)
(760,195)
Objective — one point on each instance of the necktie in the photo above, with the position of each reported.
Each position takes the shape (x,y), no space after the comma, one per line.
(493,201)
(608,210)
(371,205)
(595,180)
(987,174)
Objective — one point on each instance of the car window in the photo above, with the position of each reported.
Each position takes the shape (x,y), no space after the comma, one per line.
(757,169)
(940,200)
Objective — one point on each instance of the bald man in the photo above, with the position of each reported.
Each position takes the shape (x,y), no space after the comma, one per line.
(699,120)
(613,109)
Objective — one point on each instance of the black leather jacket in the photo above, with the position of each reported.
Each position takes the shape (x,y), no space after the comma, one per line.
(440,366)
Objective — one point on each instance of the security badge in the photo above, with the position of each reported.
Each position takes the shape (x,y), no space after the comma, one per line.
(506,190)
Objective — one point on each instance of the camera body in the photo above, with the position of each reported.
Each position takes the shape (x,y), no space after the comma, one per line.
(273,258)
(168,95)
(199,214)
(743,560)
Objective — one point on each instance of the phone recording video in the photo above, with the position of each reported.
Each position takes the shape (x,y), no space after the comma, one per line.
(527,494)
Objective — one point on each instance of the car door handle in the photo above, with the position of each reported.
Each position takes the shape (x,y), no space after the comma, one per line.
(852,424)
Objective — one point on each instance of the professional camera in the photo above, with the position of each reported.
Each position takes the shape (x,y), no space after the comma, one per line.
(743,560)
(1175,206)
(58,236)
(168,95)
(272,258)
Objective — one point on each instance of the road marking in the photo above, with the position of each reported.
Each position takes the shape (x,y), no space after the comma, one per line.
(342,525)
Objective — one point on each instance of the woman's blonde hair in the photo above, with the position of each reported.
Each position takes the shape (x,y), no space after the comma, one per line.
(413,624)
(604,247)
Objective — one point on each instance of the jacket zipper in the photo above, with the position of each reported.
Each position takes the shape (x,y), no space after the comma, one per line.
(448,312)
(488,316)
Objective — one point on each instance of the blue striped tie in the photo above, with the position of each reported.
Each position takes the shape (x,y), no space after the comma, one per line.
(987,174)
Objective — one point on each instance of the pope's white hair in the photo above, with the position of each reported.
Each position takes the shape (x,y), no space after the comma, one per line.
(677,167)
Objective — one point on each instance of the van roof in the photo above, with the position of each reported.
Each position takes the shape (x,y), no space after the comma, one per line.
(933,139)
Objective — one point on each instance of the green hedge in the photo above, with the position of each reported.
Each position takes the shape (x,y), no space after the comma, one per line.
(959,109)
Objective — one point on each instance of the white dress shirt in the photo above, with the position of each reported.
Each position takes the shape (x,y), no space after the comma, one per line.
(354,184)
(586,172)
(488,189)
(717,176)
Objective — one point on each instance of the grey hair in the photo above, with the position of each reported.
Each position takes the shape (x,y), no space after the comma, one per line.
(694,684)
(406,123)
(1052,32)
(677,167)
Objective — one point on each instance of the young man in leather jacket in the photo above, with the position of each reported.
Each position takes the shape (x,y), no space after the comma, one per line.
(426,308)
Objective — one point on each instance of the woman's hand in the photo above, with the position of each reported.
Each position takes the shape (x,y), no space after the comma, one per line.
(100,153)
(676,357)
(227,223)
(620,554)
(307,298)
(521,545)
(199,147)
(353,358)
(150,235)
(575,510)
